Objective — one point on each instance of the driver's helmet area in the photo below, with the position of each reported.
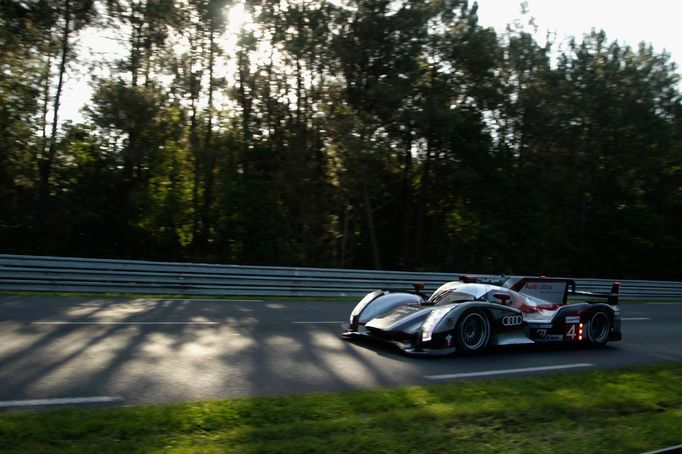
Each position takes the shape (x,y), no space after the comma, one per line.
(524,303)
(504,297)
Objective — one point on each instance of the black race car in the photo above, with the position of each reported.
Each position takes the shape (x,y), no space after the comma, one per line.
(471,314)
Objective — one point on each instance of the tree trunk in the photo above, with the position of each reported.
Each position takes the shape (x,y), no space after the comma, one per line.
(406,199)
(344,237)
(244,101)
(209,154)
(47,158)
(371,230)
(46,94)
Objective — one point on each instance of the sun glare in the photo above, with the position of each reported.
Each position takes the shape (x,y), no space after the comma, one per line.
(238,17)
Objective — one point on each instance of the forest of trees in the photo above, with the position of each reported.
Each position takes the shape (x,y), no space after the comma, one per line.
(359,134)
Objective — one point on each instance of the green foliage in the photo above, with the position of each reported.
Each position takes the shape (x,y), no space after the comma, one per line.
(388,134)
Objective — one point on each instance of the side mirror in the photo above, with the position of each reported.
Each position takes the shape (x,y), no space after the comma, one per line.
(504,297)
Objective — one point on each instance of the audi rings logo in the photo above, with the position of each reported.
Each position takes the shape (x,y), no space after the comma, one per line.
(512,320)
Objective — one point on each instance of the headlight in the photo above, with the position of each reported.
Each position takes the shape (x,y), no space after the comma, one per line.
(432,321)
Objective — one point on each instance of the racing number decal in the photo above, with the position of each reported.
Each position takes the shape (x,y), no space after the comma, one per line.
(573,328)
(574,332)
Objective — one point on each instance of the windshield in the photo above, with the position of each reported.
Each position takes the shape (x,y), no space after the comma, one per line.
(456,291)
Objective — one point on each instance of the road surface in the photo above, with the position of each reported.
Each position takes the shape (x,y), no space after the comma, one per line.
(112,351)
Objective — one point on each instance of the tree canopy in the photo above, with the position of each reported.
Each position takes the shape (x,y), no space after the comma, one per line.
(357,133)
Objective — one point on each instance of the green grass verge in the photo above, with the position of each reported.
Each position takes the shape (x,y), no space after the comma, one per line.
(626,410)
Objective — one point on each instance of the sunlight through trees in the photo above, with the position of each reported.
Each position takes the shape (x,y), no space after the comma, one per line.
(347,133)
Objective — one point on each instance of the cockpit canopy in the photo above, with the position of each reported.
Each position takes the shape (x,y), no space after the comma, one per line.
(458,291)
(454,292)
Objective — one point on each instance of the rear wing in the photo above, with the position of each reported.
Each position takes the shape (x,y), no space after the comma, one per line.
(557,291)
(612,297)
(551,290)
(554,291)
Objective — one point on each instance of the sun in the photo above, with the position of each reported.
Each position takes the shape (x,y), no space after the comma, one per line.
(238,17)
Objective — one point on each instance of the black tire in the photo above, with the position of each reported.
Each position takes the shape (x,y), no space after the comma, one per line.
(472,332)
(598,328)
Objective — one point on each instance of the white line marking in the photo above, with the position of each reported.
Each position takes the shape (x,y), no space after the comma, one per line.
(666,357)
(316,323)
(636,318)
(125,323)
(507,371)
(61,401)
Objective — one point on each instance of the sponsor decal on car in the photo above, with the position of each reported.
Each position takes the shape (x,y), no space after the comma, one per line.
(544,334)
(512,320)
(552,292)
(573,319)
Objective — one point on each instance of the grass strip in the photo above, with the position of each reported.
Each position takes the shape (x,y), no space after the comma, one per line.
(624,410)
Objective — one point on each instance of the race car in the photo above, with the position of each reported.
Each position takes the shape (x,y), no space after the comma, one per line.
(471,314)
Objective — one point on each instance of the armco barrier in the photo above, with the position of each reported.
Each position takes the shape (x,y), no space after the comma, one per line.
(64,274)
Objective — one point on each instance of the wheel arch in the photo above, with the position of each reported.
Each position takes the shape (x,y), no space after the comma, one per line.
(380,302)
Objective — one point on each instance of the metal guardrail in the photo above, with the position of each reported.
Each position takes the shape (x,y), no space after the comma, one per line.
(64,274)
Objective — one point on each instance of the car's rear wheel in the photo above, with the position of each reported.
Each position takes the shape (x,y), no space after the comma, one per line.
(598,328)
(473,332)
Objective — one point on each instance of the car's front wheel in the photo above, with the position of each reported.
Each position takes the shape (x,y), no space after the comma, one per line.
(473,332)
(598,328)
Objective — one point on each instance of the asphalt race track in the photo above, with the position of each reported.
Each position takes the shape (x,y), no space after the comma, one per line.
(94,351)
